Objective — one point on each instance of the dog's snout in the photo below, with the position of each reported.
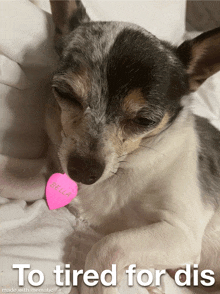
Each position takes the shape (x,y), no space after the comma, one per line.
(85,170)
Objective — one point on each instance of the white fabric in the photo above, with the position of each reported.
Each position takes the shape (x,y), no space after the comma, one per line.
(30,233)
(164,18)
(207,100)
(27,59)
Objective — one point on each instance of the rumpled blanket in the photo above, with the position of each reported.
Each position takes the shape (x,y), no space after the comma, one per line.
(29,232)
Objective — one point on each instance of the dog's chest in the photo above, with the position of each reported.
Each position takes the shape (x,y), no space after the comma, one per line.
(116,206)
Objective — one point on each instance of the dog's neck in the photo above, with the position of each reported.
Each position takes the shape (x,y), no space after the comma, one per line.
(140,176)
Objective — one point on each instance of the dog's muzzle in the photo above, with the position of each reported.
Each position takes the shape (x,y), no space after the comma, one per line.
(85,170)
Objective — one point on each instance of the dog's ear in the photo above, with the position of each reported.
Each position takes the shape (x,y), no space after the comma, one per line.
(201,56)
(67,15)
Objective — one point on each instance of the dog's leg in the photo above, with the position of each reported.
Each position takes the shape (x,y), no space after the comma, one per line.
(162,245)
(172,242)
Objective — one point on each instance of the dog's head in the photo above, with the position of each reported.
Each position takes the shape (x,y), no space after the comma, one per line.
(118,85)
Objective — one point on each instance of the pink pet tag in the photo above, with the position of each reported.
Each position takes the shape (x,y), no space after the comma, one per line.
(60,190)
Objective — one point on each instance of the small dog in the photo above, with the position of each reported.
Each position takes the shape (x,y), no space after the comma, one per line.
(148,170)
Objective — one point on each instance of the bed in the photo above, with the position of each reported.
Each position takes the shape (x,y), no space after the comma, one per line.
(30,233)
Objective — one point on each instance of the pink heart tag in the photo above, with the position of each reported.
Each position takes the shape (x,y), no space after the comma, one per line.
(60,190)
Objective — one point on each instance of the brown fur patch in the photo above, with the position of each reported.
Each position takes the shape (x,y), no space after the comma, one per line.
(133,102)
(161,126)
(131,144)
(204,62)
(121,143)
(78,81)
(115,136)
(124,144)
(197,52)
(195,82)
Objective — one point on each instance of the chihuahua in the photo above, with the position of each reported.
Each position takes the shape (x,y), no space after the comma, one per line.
(148,170)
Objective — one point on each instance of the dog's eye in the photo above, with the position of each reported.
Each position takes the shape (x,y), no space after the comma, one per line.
(143,121)
(66,96)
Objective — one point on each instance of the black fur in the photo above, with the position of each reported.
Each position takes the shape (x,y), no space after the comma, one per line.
(121,58)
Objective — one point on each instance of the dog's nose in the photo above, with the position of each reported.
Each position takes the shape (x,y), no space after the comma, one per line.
(84,170)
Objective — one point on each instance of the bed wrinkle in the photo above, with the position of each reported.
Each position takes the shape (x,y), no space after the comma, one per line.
(29,232)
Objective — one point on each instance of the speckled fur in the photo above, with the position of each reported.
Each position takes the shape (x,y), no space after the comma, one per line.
(159,189)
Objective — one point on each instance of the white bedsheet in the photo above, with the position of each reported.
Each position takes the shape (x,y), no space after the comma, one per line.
(29,232)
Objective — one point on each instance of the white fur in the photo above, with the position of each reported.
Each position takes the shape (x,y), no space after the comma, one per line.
(152,211)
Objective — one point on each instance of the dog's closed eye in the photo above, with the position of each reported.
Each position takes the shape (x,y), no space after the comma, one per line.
(64,96)
(138,125)
(143,121)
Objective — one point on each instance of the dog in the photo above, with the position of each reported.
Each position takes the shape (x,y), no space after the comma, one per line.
(148,170)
